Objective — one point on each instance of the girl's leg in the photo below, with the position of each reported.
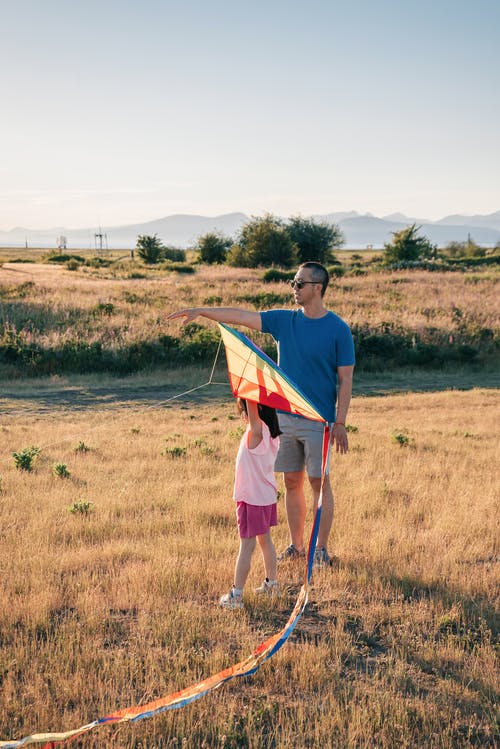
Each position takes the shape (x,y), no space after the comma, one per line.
(247,546)
(268,555)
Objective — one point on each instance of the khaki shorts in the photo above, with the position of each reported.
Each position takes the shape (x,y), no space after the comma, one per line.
(301,445)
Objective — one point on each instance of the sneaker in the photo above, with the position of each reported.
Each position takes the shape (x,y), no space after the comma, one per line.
(291,552)
(321,557)
(231,600)
(268,586)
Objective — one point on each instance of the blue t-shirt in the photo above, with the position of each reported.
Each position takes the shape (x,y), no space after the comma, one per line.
(309,352)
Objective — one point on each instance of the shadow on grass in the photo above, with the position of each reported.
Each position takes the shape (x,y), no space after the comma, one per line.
(476,623)
(89,397)
(479,619)
(423,381)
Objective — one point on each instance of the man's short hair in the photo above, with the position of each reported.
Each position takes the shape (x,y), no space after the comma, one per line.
(318,273)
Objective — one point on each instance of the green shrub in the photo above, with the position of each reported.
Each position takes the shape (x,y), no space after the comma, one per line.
(104,308)
(274,274)
(72,264)
(214,299)
(473,262)
(198,343)
(81,507)
(132,298)
(17,291)
(179,267)
(98,262)
(24,458)
(174,254)
(265,299)
(64,258)
(149,248)
(81,447)
(408,245)
(175,452)
(400,438)
(237,257)
(336,271)
(315,240)
(264,242)
(213,247)
(237,433)
(61,471)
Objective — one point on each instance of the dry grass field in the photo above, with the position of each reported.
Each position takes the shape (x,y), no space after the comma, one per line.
(112,563)
(413,297)
(53,308)
(114,603)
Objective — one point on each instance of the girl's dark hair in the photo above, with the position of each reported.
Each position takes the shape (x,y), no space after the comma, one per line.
(267,414)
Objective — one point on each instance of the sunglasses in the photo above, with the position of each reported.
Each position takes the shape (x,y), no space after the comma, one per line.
(299,283)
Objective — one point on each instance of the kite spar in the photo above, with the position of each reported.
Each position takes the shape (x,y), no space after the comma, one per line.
(253,376)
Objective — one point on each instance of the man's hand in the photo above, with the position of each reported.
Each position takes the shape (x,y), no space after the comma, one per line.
(339,437)
(188,314)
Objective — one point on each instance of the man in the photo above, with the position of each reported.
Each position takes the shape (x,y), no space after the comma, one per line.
(315,348)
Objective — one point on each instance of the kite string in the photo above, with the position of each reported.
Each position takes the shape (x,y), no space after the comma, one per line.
(89,430)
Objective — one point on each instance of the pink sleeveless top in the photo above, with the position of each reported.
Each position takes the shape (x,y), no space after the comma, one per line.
(254,480)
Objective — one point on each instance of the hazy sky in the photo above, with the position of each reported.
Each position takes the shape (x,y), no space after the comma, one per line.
(119,111)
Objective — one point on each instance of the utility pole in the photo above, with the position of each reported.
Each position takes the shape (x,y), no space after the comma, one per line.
(101,240)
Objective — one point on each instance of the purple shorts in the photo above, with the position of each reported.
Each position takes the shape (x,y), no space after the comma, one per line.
(254,520)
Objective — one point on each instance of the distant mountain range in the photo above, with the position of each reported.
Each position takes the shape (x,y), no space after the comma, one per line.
(182,230)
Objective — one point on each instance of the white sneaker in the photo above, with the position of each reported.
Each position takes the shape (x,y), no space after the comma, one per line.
(231,600)
(268,586)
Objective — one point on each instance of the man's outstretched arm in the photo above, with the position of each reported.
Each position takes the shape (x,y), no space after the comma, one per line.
(248,318)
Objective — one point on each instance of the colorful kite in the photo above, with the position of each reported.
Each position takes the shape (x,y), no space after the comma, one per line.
(253,376)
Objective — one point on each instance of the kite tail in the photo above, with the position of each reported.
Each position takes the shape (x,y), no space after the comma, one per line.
(325,456)
(184,697)
(176,700)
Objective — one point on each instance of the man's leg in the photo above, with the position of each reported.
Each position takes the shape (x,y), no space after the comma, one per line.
(325,524)
(295,504)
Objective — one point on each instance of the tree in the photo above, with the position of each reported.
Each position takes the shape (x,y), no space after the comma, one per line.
(149,248)
(265,241)
(213,247)
(408,245)
(315,240)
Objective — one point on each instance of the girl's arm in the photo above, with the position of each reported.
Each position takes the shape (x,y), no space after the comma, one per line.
(255,435)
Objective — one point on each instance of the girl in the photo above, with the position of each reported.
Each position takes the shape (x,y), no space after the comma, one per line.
(255,495)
